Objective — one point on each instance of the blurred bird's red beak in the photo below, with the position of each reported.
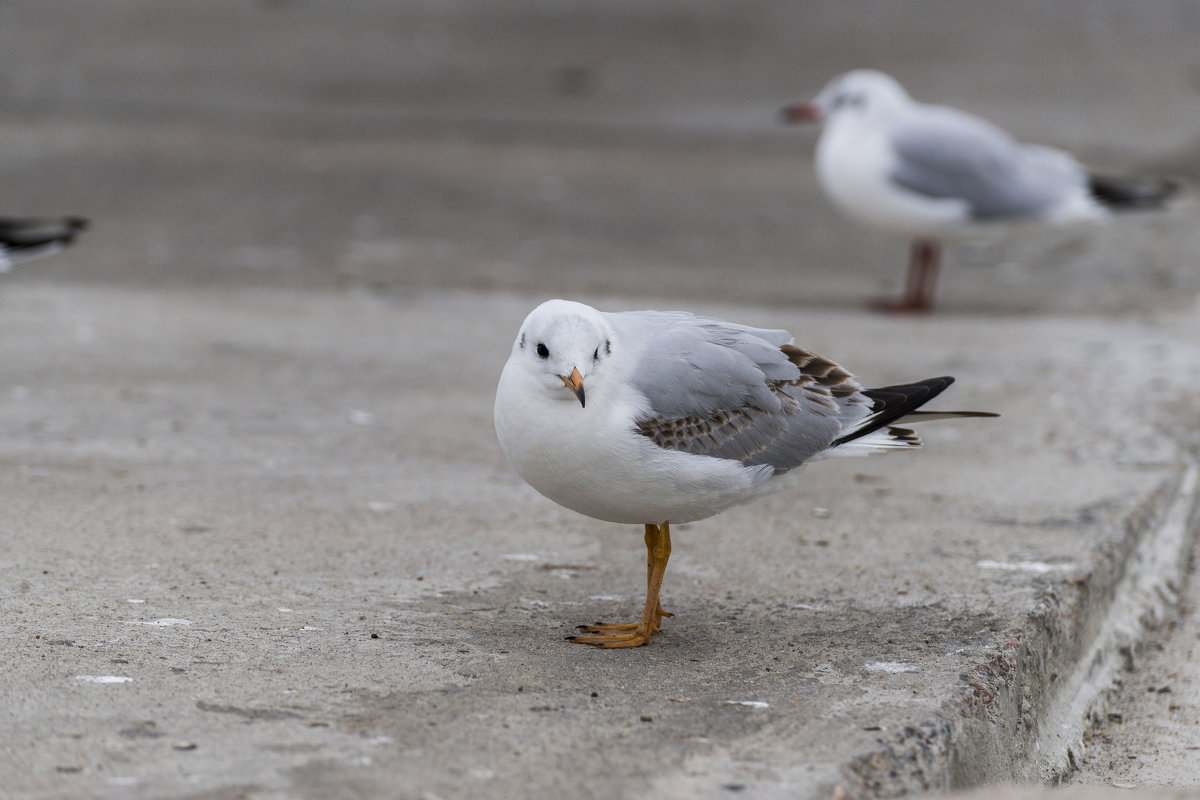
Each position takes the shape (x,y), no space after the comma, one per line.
(800,112)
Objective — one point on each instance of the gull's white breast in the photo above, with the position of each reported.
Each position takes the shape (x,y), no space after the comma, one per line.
(593,461)
(854,162)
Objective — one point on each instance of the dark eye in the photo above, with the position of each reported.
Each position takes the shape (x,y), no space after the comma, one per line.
(543,351)
(596,355)
(848,99)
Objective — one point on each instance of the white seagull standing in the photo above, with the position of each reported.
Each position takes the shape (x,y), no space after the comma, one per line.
(683,417)
(934,172)
(22,238)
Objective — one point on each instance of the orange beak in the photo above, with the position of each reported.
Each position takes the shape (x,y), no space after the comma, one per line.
(574,382)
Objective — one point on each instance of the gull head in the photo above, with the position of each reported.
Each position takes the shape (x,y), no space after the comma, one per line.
(561,345)
(864,94)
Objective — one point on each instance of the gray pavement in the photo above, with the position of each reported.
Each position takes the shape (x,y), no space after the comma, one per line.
(1150,734)
(260,541)
(283,517)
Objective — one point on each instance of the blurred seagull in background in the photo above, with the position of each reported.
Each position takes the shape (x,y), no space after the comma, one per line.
(934,172)
(682,418)
(24,238)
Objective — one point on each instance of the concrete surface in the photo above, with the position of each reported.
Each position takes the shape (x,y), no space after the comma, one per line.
(247,424)
(1121,791)
(375,604)
(1151,732)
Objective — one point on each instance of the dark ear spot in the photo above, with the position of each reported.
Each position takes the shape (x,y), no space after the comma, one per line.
(521,345)
(608,347)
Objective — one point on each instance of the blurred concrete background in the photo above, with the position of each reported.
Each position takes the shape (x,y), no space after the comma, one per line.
(568,146)
(245,425)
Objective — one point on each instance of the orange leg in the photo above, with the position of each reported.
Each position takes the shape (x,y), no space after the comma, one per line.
(636,634)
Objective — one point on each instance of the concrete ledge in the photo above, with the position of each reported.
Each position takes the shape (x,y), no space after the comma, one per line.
(1025,712)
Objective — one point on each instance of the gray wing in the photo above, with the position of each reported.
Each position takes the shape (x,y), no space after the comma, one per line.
(943,153)
(729,391)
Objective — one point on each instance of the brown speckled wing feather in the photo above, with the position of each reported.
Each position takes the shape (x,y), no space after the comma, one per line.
(805,413)
(728,391)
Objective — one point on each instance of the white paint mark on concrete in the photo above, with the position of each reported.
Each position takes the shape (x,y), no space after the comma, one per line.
(165,622)
(103,679)
(35,472)
(1039,567)
(890,667)
(748,703)
(520,556)
(380,506)
(134,600)
(361,418)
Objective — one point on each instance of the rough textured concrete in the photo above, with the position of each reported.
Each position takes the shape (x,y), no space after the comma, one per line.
(1151,732)
(199,452)
(1121,791)
(254,406)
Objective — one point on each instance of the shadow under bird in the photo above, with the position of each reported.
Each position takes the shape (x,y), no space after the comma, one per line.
(933,173)
(22,238)
(650,417)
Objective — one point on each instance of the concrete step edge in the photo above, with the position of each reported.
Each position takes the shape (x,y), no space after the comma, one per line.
(1024,714)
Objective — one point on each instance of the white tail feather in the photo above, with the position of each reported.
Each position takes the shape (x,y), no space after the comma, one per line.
(880,441)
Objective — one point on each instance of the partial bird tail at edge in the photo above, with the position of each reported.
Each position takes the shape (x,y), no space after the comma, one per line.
(29,237)
(1132,194)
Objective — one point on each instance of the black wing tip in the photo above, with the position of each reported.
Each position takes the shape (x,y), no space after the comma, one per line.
(73,221)
(29,235)
(915,416)
(891,403)
(67,222)
(913,395)
(1132,194)
(906,436)
(73,227)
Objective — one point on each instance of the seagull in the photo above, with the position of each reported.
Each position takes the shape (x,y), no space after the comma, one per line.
(22,238)
(933,173)
(652,417)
